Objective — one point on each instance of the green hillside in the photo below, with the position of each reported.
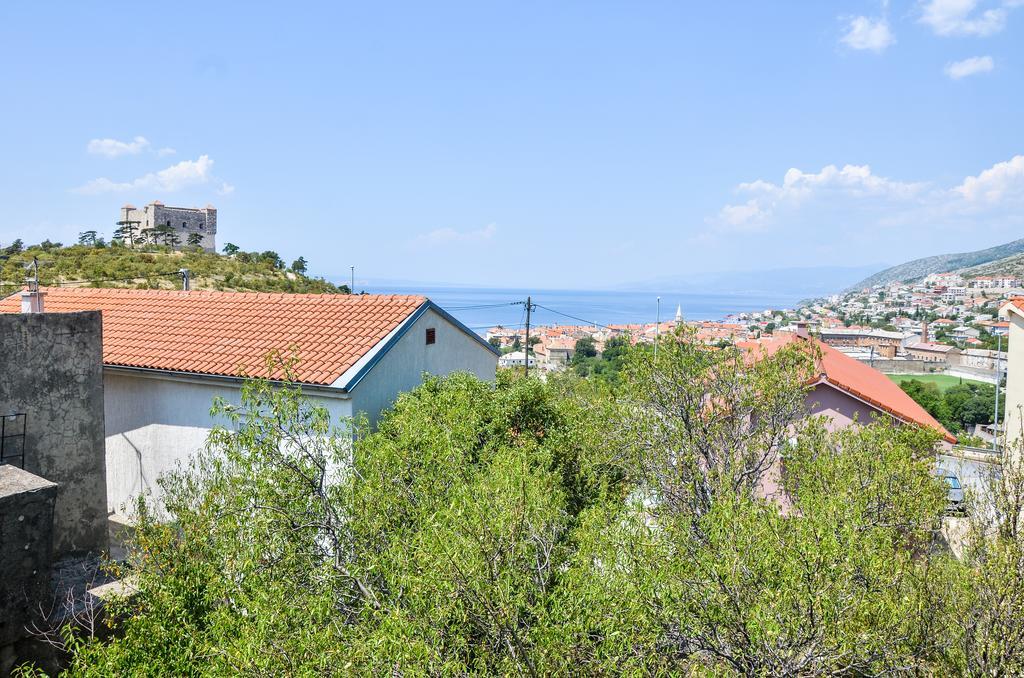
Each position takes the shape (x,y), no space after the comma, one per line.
(155,267)
(943,263)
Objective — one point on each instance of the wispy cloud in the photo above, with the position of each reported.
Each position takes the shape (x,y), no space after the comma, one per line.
(113,148)
(184,174)
(971,66)
(854,195)
(865,33)
(165,151)
(798,187)
(451,235)
(966,17)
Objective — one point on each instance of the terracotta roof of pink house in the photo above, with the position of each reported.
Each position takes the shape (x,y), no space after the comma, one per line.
(859,380)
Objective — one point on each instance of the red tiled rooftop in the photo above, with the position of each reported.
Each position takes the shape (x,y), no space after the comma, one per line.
(231,333)
(859,380)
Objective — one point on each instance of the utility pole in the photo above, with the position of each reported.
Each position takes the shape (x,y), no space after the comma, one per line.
(352,279)
(995,423)
(657,329)
(528,309)
(186,282)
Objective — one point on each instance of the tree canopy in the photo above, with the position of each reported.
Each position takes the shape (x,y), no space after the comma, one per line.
(691,520)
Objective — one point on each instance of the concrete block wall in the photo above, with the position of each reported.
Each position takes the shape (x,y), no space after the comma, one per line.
(51,370)
(26,533)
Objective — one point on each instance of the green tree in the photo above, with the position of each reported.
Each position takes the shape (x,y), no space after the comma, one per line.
(271,257)
(430,545)
(691,521)
(299,266)
(194,239)
(87,238)
(928,396)
(231,249)
(585,348)
(15,247)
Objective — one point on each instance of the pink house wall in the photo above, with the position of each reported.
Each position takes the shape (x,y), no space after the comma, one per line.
(840,410)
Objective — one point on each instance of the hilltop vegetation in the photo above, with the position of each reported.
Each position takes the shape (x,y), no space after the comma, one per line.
(942,263)
(98,264)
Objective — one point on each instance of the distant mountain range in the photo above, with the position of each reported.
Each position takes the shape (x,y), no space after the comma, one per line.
(981,262)
(811,281)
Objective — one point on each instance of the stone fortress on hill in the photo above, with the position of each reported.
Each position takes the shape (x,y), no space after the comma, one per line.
(156,220)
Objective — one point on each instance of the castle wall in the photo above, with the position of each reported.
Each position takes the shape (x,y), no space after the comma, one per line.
(184,220)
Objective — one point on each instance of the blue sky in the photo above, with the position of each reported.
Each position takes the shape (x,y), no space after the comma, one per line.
(547,144)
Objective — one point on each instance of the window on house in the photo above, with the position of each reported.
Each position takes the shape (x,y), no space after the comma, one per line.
(431,335)
(184,224)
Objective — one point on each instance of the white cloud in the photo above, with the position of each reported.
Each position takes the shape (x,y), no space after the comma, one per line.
(1002,182)
(166,151)
(971,66)
(965,17)
(868,34)
(113,148)
(852,181)
(859,199)
(750,216)
(450,235)
(174,178)
(226,189)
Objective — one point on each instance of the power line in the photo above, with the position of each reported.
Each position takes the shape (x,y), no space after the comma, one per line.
(582,320)
(58,283)
(129,279)
(482,306)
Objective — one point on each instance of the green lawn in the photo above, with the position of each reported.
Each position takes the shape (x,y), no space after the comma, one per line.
(943,381)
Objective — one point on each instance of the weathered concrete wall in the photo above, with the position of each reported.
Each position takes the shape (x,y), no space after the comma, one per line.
(26,532)
(51,369)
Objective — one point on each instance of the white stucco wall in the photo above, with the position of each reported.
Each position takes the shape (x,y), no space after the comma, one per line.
(1014,380)
(402,367)
(155,422)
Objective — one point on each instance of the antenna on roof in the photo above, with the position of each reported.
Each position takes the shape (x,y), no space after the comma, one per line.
(33,282)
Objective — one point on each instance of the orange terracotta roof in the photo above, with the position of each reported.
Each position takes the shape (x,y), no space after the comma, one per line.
(859,380)
(231,333)
(1016,303)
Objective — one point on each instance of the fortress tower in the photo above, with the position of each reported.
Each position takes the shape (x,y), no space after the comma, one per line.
(155,223)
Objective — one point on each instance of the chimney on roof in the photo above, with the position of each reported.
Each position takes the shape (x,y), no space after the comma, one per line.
(801,329)
(32,301)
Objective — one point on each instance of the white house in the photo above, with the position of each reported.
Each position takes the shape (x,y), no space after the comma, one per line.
(167,354)
(516,359)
